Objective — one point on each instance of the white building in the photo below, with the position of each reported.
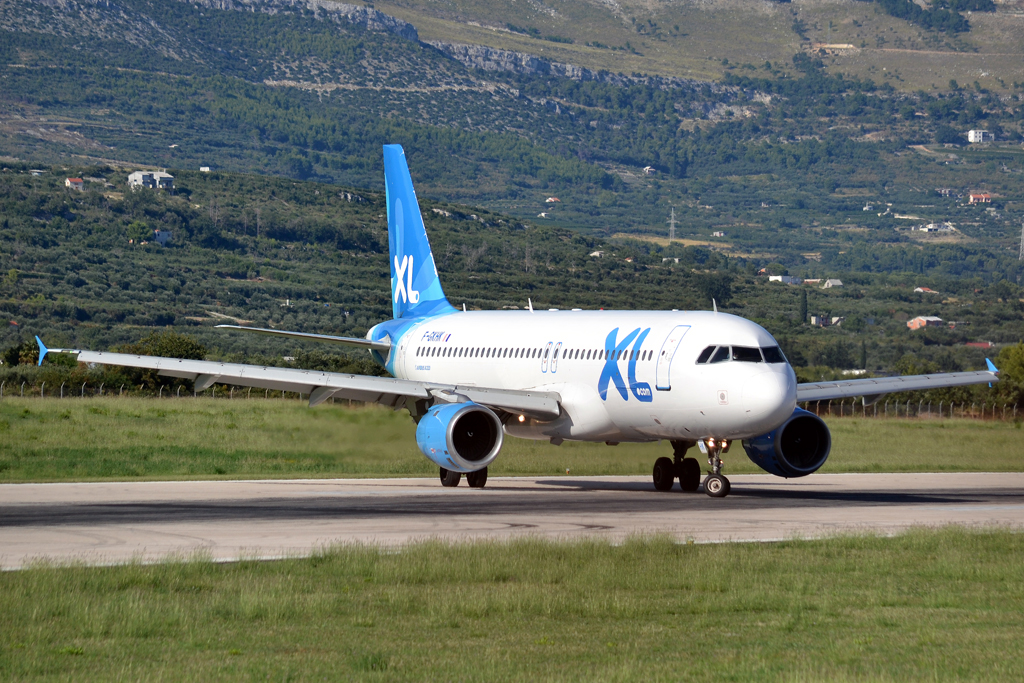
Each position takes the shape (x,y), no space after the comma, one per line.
(162,237)
(980,136)
(832,282)
(151,179)
(74,184)
(785,279)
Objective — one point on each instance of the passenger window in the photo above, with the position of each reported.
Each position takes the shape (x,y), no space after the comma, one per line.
(722,354)
(773,354)
(746,354)
(705,354)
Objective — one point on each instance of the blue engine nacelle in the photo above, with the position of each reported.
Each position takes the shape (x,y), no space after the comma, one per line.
(461,437)
(800,446)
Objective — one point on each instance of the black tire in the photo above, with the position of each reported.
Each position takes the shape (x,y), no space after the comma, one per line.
(716,486)
(664,474)
(449,478)
(478,479)
(689,474)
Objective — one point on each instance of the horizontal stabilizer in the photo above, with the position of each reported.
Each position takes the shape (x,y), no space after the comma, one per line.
(382,345)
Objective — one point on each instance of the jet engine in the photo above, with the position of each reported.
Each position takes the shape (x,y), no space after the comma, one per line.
(461,437)
(800,446)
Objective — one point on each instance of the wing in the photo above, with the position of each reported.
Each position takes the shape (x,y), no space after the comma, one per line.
(382,345)
(396,393)
(871,389)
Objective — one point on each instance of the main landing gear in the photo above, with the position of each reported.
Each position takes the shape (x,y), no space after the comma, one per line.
(476,480)
(687,470)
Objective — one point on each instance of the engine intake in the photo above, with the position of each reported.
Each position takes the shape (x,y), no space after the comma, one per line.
(800,446)
(461,437)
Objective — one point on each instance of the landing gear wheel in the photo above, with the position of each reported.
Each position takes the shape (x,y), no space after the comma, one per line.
(689,474)
(664,474)
(478,479)
(449,478)
(716,486)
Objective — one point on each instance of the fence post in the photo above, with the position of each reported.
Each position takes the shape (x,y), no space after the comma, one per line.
(23,390)
(266,394)
(42,390)
(83,389)
(178,393)
(121,390)
(940,410)
(248,394)
(1004,413)
(101,388)
(62,389)
(919,407)
(886,409)
(160,394)
(2,389)
(231,392)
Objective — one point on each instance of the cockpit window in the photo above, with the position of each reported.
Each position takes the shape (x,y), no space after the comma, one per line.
(705,354)
(722,354)
(773,354)
(746,354)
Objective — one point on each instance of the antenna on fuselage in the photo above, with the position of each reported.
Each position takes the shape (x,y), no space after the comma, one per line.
(714,304)
(530,304)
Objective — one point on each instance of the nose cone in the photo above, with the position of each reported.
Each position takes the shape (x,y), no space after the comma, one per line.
(770,397)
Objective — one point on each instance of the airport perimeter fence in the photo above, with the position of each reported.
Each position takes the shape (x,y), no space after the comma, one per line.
(838,408)
(912,409)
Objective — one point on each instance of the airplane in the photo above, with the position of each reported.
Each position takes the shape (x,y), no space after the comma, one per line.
(701,379)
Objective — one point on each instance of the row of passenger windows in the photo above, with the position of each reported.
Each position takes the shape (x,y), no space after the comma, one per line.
(744,354)
(568,354)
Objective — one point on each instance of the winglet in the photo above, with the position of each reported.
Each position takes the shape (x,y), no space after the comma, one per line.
(42,349)
(991,366)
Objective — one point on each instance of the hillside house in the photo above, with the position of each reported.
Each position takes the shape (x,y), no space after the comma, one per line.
(74,184)
(156,180)
(718,233)
(552,200)
(980,345)
(980,136)
(924,290)
(162,237)
(785,279)
(832,282)
(979,198)
(924,321)
(649,170)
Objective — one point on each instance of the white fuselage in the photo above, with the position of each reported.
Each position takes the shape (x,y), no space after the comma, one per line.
(621,376)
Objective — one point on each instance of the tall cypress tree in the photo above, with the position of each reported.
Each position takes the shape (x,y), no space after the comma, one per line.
(803,307)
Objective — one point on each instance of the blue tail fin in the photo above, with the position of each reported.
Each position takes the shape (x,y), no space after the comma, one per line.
(415,286)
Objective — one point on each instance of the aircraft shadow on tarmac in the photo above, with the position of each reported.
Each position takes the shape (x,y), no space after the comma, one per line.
(564,497)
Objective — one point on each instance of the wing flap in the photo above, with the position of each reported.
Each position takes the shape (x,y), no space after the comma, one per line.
(877,386)
(323,385)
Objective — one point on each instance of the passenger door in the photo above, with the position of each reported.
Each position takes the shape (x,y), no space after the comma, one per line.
(667,353)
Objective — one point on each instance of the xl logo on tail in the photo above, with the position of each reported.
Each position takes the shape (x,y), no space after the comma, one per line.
(610,373)
(403,287)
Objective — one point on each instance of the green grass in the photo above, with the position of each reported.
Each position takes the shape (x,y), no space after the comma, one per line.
(927,605)
(132,438)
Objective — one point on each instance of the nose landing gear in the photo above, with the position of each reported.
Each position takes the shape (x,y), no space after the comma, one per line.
(716,484)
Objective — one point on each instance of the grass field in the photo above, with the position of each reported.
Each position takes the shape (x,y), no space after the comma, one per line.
(131,438)
(927,605)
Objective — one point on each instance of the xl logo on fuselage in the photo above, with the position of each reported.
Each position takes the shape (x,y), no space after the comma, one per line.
(403,287)
(610,373)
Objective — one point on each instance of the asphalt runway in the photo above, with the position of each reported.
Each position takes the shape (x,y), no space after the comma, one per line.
(101,523)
